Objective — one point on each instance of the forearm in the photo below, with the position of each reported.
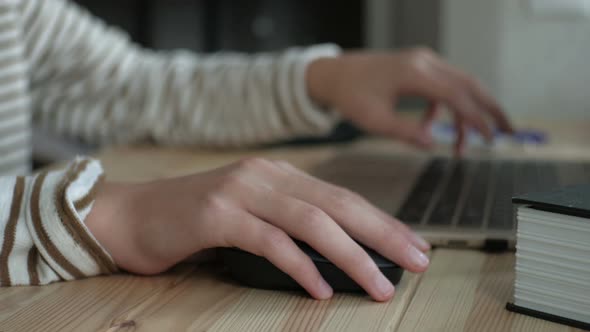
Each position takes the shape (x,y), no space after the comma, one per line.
(93,83)
(237,100)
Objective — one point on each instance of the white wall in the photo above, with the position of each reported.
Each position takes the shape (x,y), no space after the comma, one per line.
(380,27)
(401,23)
(470,38)
(533,64)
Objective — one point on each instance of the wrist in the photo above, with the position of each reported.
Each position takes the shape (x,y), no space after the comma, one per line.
(113,224)
(321,80)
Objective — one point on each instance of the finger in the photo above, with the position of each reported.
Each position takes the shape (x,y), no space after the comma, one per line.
(251,234)
(460,141)
(479,94)
(363,223)
(416,239)
(428,120)
(439,87)
(313,226)
(431,114)
(399,226)
(409,131)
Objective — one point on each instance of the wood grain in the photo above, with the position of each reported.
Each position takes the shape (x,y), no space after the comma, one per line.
(462,290)
(467,291)
(190,299)
(275,311)
(88,305)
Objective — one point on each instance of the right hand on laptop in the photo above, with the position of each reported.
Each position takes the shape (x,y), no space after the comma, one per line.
(258,206)
(366,86)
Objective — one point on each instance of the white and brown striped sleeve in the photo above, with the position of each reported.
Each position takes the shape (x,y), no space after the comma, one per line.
(90,82)
(42,233)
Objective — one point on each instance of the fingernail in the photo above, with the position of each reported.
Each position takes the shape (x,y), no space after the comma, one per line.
(421,242)
(417,257)
(325,290)
(384,286)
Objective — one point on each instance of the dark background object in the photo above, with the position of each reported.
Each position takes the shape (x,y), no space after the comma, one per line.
(263,25)
(249,26)
(268,25)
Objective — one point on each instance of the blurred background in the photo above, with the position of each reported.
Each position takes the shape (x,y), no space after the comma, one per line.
(533,55)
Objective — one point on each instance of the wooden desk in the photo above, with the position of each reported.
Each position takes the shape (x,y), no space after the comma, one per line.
(462,290)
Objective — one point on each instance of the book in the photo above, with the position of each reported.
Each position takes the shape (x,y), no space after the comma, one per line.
(552,277)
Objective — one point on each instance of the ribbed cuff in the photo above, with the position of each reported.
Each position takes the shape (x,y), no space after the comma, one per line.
(59,202)
(320,119)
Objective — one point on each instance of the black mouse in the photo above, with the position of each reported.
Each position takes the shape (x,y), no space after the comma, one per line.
(256,271)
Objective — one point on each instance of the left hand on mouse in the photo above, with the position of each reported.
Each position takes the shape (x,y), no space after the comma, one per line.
(258,206)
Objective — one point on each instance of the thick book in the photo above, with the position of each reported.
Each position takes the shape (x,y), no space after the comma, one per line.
(552,279)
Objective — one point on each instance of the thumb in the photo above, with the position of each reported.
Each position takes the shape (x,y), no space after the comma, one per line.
(431,113)
(380,119)
(411,131)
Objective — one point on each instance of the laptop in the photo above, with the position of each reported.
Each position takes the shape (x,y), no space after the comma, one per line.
(462,203)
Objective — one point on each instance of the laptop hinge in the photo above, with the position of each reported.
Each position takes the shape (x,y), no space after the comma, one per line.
(495,245)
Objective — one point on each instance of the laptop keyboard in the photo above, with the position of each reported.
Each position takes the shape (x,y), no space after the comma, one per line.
(477,193)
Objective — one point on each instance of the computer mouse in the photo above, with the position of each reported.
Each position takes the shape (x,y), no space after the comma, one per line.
(257,272)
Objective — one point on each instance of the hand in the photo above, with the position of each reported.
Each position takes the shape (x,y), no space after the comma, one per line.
(256,205)
(365,86)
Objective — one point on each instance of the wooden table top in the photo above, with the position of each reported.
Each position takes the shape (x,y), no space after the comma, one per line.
(463,290)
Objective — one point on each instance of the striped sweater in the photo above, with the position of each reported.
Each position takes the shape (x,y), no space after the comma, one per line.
(66,71)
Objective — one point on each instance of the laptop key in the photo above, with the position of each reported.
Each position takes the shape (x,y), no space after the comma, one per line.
(526,177)
(501,211)
(472,214)
(547,173)
(417,201)
(493,182)
(444,209)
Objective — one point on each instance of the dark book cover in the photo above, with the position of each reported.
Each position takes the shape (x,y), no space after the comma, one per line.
(549,317)
(571,200)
